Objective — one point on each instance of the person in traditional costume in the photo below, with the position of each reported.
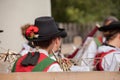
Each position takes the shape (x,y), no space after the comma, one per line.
(85,55)
(46,38)
(108,55)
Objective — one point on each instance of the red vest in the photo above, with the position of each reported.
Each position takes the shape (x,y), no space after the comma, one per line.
(43,57)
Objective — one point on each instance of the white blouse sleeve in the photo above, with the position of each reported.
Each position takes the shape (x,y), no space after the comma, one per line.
(55,68)
(111,62)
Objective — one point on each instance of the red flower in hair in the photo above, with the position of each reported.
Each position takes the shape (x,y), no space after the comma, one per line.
(31,32)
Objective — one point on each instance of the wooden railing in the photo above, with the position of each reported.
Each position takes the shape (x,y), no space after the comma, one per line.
(75,29)
(61,76)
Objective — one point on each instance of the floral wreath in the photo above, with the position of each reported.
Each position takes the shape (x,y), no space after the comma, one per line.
(32,32)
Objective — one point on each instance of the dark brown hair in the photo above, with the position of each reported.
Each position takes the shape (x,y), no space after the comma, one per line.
(111,34)
(43,44)
(23,29)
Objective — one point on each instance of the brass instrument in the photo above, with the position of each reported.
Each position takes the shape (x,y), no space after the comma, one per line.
(8,58)
(64,63)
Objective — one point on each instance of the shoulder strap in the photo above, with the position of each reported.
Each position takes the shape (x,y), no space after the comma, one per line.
(13,68)
(105,53)
(43,64)
(98,59)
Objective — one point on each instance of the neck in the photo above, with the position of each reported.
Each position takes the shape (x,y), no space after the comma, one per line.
(114,43)
(49,49)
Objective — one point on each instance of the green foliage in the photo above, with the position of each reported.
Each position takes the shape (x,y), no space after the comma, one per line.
(82,11)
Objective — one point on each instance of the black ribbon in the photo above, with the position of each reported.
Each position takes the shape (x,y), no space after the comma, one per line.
(30,60)
(108,45)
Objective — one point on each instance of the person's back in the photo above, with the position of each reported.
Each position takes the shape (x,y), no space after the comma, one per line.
(29,66)
(108,57)
(46,38)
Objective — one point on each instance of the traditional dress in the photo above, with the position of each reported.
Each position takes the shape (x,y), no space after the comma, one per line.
(45,63)
(108,58)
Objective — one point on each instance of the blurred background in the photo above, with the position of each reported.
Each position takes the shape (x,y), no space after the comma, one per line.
(83,11)
(78,17)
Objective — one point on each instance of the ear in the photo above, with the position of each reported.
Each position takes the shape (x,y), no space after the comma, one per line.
(56,43)
(58,39)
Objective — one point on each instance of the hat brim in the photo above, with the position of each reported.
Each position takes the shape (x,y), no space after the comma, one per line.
(61,34)
(112,26)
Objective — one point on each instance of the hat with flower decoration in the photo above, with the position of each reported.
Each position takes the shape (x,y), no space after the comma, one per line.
(43,29)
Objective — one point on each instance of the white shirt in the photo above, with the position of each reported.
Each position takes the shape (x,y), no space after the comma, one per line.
(74,68)
(111,61)
(87,52)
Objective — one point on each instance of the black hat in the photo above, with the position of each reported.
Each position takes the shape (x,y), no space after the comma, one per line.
(111,26)
(47,29)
